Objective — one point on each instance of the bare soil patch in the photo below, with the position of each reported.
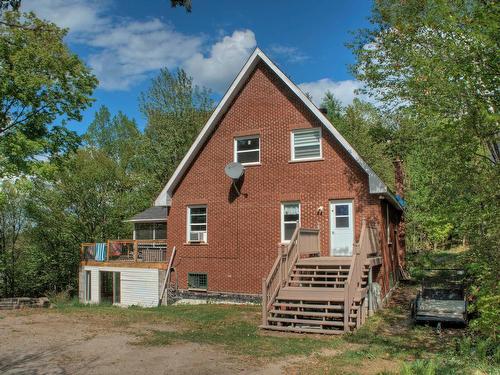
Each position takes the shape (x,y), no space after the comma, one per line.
(41,342)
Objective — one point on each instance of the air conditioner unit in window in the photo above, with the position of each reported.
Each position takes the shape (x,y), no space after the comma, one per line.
(198,237)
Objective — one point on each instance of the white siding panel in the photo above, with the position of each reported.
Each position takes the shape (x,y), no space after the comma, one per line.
(139,286)
(95,296)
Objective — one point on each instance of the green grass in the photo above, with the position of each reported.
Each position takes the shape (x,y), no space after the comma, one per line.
(243,338)
(233,327)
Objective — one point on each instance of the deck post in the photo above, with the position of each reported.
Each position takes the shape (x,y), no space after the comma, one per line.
(264,302)
(346,308)
(136,251)
(107,251)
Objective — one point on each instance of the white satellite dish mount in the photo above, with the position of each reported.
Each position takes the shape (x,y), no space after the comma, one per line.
(234,171)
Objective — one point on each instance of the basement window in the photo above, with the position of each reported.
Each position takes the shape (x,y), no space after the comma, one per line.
(198,281)
(247,150)
(306,144)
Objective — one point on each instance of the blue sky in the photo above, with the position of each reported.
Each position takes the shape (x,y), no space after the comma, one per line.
(126,42)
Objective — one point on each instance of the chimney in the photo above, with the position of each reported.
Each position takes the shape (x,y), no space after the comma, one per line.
(323,110)
(399,177)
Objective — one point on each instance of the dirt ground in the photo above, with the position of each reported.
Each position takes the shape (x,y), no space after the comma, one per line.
(40,341)
(35,342)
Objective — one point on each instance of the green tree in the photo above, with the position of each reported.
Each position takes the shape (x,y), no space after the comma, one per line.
(41,81)
(175,110)
(116,136)
(14,222)
(367,130)
(435,63)
(84,197)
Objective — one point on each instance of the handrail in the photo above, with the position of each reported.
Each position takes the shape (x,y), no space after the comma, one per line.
(368,239)
(288,254)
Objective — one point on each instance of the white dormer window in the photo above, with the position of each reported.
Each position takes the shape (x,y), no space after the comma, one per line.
(197,224)
(306,144)
(247,150)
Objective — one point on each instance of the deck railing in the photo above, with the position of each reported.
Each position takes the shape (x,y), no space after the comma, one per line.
(303,242)
(369,244)
(125,251)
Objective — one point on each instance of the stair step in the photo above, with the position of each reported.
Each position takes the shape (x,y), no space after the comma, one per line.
(316,282)
(344,271)
(326,261)
(334,279)
(304,330)
(307,321)
(310,306)
(308,313)
(316,275)
(310,294)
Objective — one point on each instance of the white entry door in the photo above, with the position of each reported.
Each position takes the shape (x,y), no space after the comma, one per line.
(341,228)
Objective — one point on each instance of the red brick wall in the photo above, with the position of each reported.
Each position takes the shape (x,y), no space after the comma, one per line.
(244,234)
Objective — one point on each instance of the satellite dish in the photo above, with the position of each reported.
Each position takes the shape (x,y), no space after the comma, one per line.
(234,170)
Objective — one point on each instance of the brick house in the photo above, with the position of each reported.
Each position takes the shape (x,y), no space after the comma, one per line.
(304,195)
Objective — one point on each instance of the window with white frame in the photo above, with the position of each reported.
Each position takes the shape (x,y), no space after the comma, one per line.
(306,144)
(247,150)
(290,218)
(197,224)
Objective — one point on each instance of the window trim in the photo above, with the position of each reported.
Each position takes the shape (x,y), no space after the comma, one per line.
(235,148)
(292,144)
(188,223)
(282,217)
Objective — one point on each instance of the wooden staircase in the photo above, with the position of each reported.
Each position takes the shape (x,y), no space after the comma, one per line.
(305,292)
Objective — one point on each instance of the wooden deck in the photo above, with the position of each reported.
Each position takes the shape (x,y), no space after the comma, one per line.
(125,253)
(117,263)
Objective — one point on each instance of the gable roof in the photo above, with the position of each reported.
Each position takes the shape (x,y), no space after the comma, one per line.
(376,185)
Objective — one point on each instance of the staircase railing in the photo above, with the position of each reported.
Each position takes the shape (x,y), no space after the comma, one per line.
(304,241)
(368,244)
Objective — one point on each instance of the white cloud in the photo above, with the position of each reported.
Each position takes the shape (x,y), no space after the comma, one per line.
(342,90)
(291,54)
(77,15)
(124,52)
(223,62)
(128,52)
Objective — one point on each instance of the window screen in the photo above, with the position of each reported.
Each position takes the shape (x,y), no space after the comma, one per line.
(160,231)
(144,231)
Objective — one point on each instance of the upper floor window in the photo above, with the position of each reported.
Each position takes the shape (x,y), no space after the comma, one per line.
(306,144)
(197,224)
(247,150)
